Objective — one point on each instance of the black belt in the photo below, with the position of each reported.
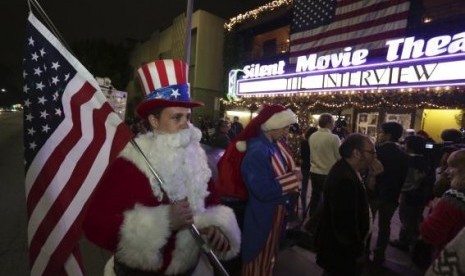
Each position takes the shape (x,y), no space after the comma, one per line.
(124,270)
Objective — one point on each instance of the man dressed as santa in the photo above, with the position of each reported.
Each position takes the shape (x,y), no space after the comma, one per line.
(146,223)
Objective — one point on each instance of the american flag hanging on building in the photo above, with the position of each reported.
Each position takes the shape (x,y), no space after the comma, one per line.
(324,26)
(71,134)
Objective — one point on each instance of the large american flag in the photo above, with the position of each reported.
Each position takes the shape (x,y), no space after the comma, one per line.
(324,26)
(71,134)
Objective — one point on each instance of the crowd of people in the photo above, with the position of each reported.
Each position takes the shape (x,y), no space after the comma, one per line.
(162,203)
(424,182)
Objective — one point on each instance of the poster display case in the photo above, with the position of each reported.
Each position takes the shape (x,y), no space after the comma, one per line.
(367,123)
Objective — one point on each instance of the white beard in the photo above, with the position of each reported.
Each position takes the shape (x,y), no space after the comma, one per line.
(181,163)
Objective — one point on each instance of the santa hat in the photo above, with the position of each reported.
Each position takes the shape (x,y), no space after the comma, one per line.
(165,85)
(230,183)
(270,117)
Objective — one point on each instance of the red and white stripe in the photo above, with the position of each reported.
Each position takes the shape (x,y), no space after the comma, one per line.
(162,73)
(66,170)
(358,24)
(264,262)
(286,178)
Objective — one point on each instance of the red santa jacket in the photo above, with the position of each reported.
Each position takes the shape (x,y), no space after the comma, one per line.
(126,218)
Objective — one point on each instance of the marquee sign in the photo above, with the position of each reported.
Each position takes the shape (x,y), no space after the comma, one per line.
(409,63)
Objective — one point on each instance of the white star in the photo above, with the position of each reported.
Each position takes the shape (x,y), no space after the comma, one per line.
(66,77)
(42,52)
(32,146)
(29,117)
(31,131)
(55,65)
(44,114)
(58,112)
(25,88)
(35,57)
(55,80)
(27,102)
(45,67)
(55,96)
(175,93)
(42,100)
(37,71)
(31,41)
(40,86)
(45,128)
(24,74)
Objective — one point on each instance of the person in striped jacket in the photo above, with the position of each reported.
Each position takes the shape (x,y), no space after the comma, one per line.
(269,174)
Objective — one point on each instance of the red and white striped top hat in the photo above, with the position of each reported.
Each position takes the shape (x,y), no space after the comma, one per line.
(165,85)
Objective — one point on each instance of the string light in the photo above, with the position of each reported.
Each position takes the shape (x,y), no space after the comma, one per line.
(440,98)
(305,104)
(253,14)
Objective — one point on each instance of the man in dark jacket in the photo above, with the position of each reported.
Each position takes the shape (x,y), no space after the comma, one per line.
(345,223)
(388,184)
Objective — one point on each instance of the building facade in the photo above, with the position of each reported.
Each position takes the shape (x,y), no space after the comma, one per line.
(346,80)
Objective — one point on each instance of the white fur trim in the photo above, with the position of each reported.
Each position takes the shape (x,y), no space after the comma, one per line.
(204,268)
(241,146)
(187,251)
(109,267)
(185,254)
(224,218)
(145,230)
(279,120)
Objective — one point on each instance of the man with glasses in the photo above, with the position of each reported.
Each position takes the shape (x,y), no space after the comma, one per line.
(345,220)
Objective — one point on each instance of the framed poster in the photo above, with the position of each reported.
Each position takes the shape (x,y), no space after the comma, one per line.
(367,123)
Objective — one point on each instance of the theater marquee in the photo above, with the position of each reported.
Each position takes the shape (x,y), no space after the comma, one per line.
(409,63)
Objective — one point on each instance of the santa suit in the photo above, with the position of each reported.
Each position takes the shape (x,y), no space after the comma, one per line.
(130,216)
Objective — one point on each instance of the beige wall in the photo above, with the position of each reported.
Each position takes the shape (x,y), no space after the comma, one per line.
(209,54)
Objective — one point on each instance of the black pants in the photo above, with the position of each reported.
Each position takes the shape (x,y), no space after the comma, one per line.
(385,210)
(303,192)
(318,182)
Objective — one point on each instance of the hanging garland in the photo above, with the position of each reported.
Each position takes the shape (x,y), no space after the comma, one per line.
(303,105)
(435,98)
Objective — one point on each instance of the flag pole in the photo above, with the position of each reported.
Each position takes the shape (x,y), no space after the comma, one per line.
(187,55)
(193,229)
(49,23)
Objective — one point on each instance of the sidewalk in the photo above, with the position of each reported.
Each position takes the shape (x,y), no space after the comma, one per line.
(296,261)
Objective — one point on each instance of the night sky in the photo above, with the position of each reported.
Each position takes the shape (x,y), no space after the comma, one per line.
(112,20)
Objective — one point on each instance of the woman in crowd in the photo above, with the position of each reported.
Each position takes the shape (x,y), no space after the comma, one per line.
(448,215)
